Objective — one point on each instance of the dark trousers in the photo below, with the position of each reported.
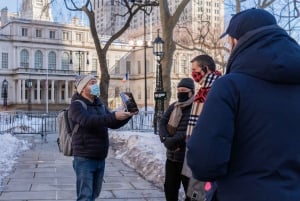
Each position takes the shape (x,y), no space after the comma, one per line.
(173,179)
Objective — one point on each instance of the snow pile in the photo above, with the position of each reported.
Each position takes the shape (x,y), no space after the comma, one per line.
(10,149)
(142,151)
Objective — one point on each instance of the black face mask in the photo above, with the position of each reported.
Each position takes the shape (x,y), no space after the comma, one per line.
(182,96)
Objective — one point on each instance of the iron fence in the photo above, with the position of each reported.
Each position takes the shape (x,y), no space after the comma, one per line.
(24,122)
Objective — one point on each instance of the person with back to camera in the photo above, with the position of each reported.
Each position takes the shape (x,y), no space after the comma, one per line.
(253,151)
(90,143)
(172,129)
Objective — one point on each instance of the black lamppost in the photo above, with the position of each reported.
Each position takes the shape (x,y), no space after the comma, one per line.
(80,54)
(145,4)
(159,94)
(4,93)
(29,86)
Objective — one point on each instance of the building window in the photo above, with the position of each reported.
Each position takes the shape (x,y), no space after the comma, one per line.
(65,61)
(38,33)
(117,67)
(183,66)
(94,64)
(65,35)
(38,59)
(24,57)
(149,94)
(128,67)
(174,66)
(148,66)
(52,34)
(51,60)
(4,60)
(139,93)
(24,32)
(139,67)
(78,36)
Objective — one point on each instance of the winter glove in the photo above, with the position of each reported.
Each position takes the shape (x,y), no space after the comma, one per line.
(170,143)
(162,137)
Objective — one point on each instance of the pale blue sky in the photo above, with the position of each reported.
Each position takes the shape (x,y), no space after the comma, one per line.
(10,4)
(60,14)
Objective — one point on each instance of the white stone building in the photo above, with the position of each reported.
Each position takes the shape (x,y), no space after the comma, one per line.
(40,59)
(143,30)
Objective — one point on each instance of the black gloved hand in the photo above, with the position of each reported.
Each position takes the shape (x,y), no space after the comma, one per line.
(162,138)
(170,143)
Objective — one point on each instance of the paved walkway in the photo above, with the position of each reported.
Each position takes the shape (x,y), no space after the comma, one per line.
(44,174)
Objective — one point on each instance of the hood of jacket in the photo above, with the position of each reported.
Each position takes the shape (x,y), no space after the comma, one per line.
(267,53)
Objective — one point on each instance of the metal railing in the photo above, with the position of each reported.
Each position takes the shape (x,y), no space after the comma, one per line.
(140,122)
(24,122)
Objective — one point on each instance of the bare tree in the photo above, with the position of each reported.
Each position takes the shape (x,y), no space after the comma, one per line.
(168,22)
(130,10)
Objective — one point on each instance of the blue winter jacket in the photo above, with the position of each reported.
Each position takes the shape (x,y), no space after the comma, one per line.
(247,138)
(91,140)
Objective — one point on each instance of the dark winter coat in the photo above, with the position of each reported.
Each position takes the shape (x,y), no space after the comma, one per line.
(91,140)
(175,144)
(250,124)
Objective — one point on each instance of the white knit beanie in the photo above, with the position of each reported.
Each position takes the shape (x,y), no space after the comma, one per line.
(81,82)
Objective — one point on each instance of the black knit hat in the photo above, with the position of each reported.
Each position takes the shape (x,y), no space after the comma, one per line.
(187,82)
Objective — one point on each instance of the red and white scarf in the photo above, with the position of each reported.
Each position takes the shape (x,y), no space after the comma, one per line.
(199,100)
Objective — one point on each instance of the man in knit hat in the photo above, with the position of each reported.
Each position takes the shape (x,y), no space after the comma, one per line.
(172,131)
(247,137)
(90,143)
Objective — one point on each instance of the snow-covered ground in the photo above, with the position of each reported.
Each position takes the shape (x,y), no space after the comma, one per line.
(10,149)
(142,151)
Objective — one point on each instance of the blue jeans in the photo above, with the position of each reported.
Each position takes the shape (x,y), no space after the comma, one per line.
(89,177)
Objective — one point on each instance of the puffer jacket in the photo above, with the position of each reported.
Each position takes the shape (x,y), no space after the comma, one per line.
(248,135)
(91,140)
(176,143)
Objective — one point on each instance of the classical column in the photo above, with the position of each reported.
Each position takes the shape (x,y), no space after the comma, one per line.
(52,91)
(38,91)
(23,91)
(19,91)
(59,89)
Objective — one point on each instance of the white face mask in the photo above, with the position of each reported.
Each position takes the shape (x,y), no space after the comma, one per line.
(95,89)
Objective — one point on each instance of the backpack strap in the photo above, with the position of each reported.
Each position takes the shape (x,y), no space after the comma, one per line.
(76,127)
(82,103)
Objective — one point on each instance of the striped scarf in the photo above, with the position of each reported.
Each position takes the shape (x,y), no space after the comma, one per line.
(199,100)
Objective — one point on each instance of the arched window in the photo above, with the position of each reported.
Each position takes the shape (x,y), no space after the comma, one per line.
(38,59)
(52,60)
(24,59)
(65,61)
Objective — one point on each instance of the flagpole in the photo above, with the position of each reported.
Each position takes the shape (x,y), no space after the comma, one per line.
(47,91)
